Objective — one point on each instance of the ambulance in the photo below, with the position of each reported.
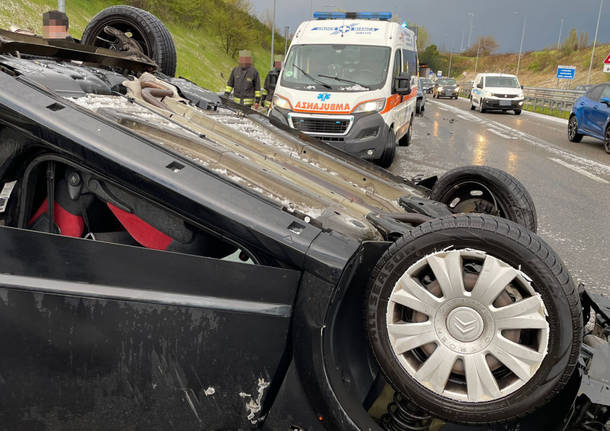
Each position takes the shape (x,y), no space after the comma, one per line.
(350,80)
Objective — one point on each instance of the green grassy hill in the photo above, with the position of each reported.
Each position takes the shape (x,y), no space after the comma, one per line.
(200,56)
(538,68)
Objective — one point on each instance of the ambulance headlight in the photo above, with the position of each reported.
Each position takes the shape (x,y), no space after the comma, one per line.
(281,102)
(440,88)
(370,106)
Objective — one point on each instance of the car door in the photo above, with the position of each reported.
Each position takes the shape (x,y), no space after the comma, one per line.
(599,112)
(102,336)
(590,108)
(399,117)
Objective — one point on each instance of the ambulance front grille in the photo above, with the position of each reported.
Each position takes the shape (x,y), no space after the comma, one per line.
(320,125)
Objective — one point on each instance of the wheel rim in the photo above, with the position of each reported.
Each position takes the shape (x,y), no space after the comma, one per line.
(134,32)
(474,197)
(607,141)
(572,128)
(467,342)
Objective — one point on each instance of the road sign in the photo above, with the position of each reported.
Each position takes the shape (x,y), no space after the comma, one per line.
(607,64)
(566,72)
(607,60)
(439,73)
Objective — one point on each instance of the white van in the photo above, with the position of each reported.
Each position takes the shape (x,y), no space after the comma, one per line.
(350,80)
(498,91)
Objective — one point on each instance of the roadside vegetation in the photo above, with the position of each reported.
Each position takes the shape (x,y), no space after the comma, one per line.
(538,68)
(207,33)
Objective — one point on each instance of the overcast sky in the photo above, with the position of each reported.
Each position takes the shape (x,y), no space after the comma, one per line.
(448,20)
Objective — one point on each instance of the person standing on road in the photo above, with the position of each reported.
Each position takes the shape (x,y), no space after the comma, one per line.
(271,81)
(244,82)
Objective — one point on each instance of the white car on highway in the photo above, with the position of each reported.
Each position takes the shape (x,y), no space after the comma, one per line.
(496,91)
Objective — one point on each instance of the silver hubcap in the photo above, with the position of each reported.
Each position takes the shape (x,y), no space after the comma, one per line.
(467,325)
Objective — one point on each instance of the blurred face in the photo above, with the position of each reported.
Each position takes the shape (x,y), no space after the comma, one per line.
(277,64)
(54,30)
(245,61)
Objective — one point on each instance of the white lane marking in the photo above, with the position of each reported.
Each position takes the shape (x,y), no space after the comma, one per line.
(580,171)
(442,109)
(462,117)
(502,135)
(597,167)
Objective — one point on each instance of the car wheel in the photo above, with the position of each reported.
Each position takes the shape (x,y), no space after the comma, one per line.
(517,111)
(481,109)
(389,152)
(472,107)
(483,189)
(573,135)
(607,140)
(143,27)
(474,318)
(405,141)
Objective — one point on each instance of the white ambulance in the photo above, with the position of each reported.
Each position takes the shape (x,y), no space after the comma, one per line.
(350,80)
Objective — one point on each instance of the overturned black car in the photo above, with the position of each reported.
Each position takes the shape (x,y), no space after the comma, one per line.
(169,260)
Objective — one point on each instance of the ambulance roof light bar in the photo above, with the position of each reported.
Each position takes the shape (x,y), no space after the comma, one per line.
(381,16)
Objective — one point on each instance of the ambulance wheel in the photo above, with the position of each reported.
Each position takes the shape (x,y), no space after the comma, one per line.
(405,141)
(387,157)
(141,26)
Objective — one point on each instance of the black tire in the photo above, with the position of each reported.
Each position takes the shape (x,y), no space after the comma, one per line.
(607,140)
(483,189)
(389,152)
(405,141)
(517,111)
(517,247)
(472,108)
(573,135)
(146,29)
(481,109)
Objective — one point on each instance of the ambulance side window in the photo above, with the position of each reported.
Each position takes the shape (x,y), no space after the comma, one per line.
(409,62)
(397,64)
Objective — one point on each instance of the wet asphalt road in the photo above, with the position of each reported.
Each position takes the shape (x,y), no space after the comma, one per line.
(570,183)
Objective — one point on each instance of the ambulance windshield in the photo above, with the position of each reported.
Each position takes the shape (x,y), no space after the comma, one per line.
(353,67)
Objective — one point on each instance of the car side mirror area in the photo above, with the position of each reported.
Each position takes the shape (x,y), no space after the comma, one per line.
(522,87)
(402,84)
(605,100)
(480,85)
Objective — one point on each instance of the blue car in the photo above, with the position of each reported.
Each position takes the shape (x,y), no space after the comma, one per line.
(591,116)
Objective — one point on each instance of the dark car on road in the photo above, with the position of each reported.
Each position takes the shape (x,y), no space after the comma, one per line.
(446,87)
(426,85)
(422,89)
(170,260)
(591,116)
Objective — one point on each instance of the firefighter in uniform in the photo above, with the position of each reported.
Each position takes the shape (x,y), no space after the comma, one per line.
(271,81)
(244,82)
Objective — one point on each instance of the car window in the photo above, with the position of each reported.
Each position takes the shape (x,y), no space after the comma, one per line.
(85,206)
(595,93)
(606,92)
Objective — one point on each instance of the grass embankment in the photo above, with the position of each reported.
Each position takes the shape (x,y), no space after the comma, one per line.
(200,56)
(538,68)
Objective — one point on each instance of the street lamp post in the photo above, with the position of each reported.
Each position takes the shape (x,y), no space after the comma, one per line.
(601,5)
(450,59)
(471,14)
(286,33)
(476,63)
(521,46)
(560,30)
(61,5)
(273,34)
